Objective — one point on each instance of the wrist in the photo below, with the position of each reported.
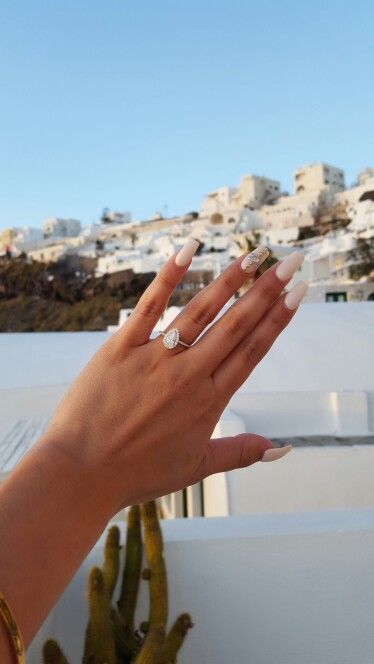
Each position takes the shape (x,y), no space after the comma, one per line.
(83,483)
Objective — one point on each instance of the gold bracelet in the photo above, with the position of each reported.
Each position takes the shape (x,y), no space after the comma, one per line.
(13,631)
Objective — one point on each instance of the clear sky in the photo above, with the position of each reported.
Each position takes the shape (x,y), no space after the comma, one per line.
(140,104)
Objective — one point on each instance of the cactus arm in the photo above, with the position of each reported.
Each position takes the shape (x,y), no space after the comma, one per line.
(133,563)
(111,559)
(151,649)
(174,639)
(87,645)
(127,644)
(52,653)
(158,591)
(100,648)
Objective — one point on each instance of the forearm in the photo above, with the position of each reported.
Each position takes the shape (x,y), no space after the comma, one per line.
(51,514)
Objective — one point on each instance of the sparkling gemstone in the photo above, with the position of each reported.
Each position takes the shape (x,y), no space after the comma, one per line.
(171,338)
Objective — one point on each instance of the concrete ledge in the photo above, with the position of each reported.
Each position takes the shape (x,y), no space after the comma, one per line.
(276,588)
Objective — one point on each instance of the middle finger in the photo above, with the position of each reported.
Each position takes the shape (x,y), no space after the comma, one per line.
(205,306)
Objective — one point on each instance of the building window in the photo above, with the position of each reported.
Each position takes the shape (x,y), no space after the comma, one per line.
(336,297)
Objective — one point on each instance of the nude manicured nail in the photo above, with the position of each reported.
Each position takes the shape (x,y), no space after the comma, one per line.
(276,453)
(184,256)
(295,295)
(252,261)
(288,266)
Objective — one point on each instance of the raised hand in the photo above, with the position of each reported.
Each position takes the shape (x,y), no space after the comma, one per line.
(140,416)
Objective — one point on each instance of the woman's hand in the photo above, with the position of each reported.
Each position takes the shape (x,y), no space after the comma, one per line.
(139,418)
(136,424)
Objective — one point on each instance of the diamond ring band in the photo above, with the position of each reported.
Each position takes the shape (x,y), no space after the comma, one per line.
(171,339)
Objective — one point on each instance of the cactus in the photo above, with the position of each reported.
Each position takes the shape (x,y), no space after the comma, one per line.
(152,647)
(174,639)
(158,593)
(99,648)
(127,644)
(111,637)
(111,559)
(132,569)
(52,653)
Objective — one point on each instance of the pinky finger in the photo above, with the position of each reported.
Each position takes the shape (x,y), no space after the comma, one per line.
(154,300)
(236,368)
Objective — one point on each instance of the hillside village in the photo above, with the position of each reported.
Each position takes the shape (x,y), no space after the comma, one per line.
(331,223)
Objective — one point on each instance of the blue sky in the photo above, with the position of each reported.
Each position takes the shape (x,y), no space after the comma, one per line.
(145,103)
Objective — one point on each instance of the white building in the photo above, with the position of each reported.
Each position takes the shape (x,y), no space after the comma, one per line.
(277,213)
(317,177)
(290,212)
(363,191)
(366,175)
(49,253)
(127,260)
(56,227)
(21,239)
(112,217)
(226,204)
(362,215)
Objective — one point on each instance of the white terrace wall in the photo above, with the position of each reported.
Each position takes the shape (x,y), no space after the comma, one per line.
(261,589)
(309,478)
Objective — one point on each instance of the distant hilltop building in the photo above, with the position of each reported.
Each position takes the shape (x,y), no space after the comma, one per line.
(225,203)
(20,239)
(365,175)
(56,227)
(259,203)
(318,177)
(112,217)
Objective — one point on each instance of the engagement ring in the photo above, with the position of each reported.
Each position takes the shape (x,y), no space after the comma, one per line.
(171,339)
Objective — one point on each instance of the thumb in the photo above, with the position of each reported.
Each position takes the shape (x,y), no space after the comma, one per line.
(225,454)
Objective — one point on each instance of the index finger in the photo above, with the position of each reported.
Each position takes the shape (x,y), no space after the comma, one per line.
(154,300)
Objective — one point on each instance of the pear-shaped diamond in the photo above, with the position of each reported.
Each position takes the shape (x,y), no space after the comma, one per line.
(171,338)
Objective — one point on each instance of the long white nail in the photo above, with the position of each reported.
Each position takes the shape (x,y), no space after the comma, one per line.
(189,249)
(295,295)
(288,266)
(252,261)
(276,453)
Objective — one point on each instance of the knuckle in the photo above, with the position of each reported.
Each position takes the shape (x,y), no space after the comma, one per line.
(200,315)
(177,383)
(163,280)
(279,317)
(243,456)
(252,352)
(234,324)
(149,307)
(268,289)
(247,454)
(228,282)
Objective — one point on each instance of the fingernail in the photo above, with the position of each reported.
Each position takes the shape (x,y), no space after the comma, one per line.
(188,250)
(252,261)
(276,453)
(289,265)
(295,295)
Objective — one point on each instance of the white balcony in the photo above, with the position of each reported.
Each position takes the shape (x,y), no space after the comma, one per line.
(284,588)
